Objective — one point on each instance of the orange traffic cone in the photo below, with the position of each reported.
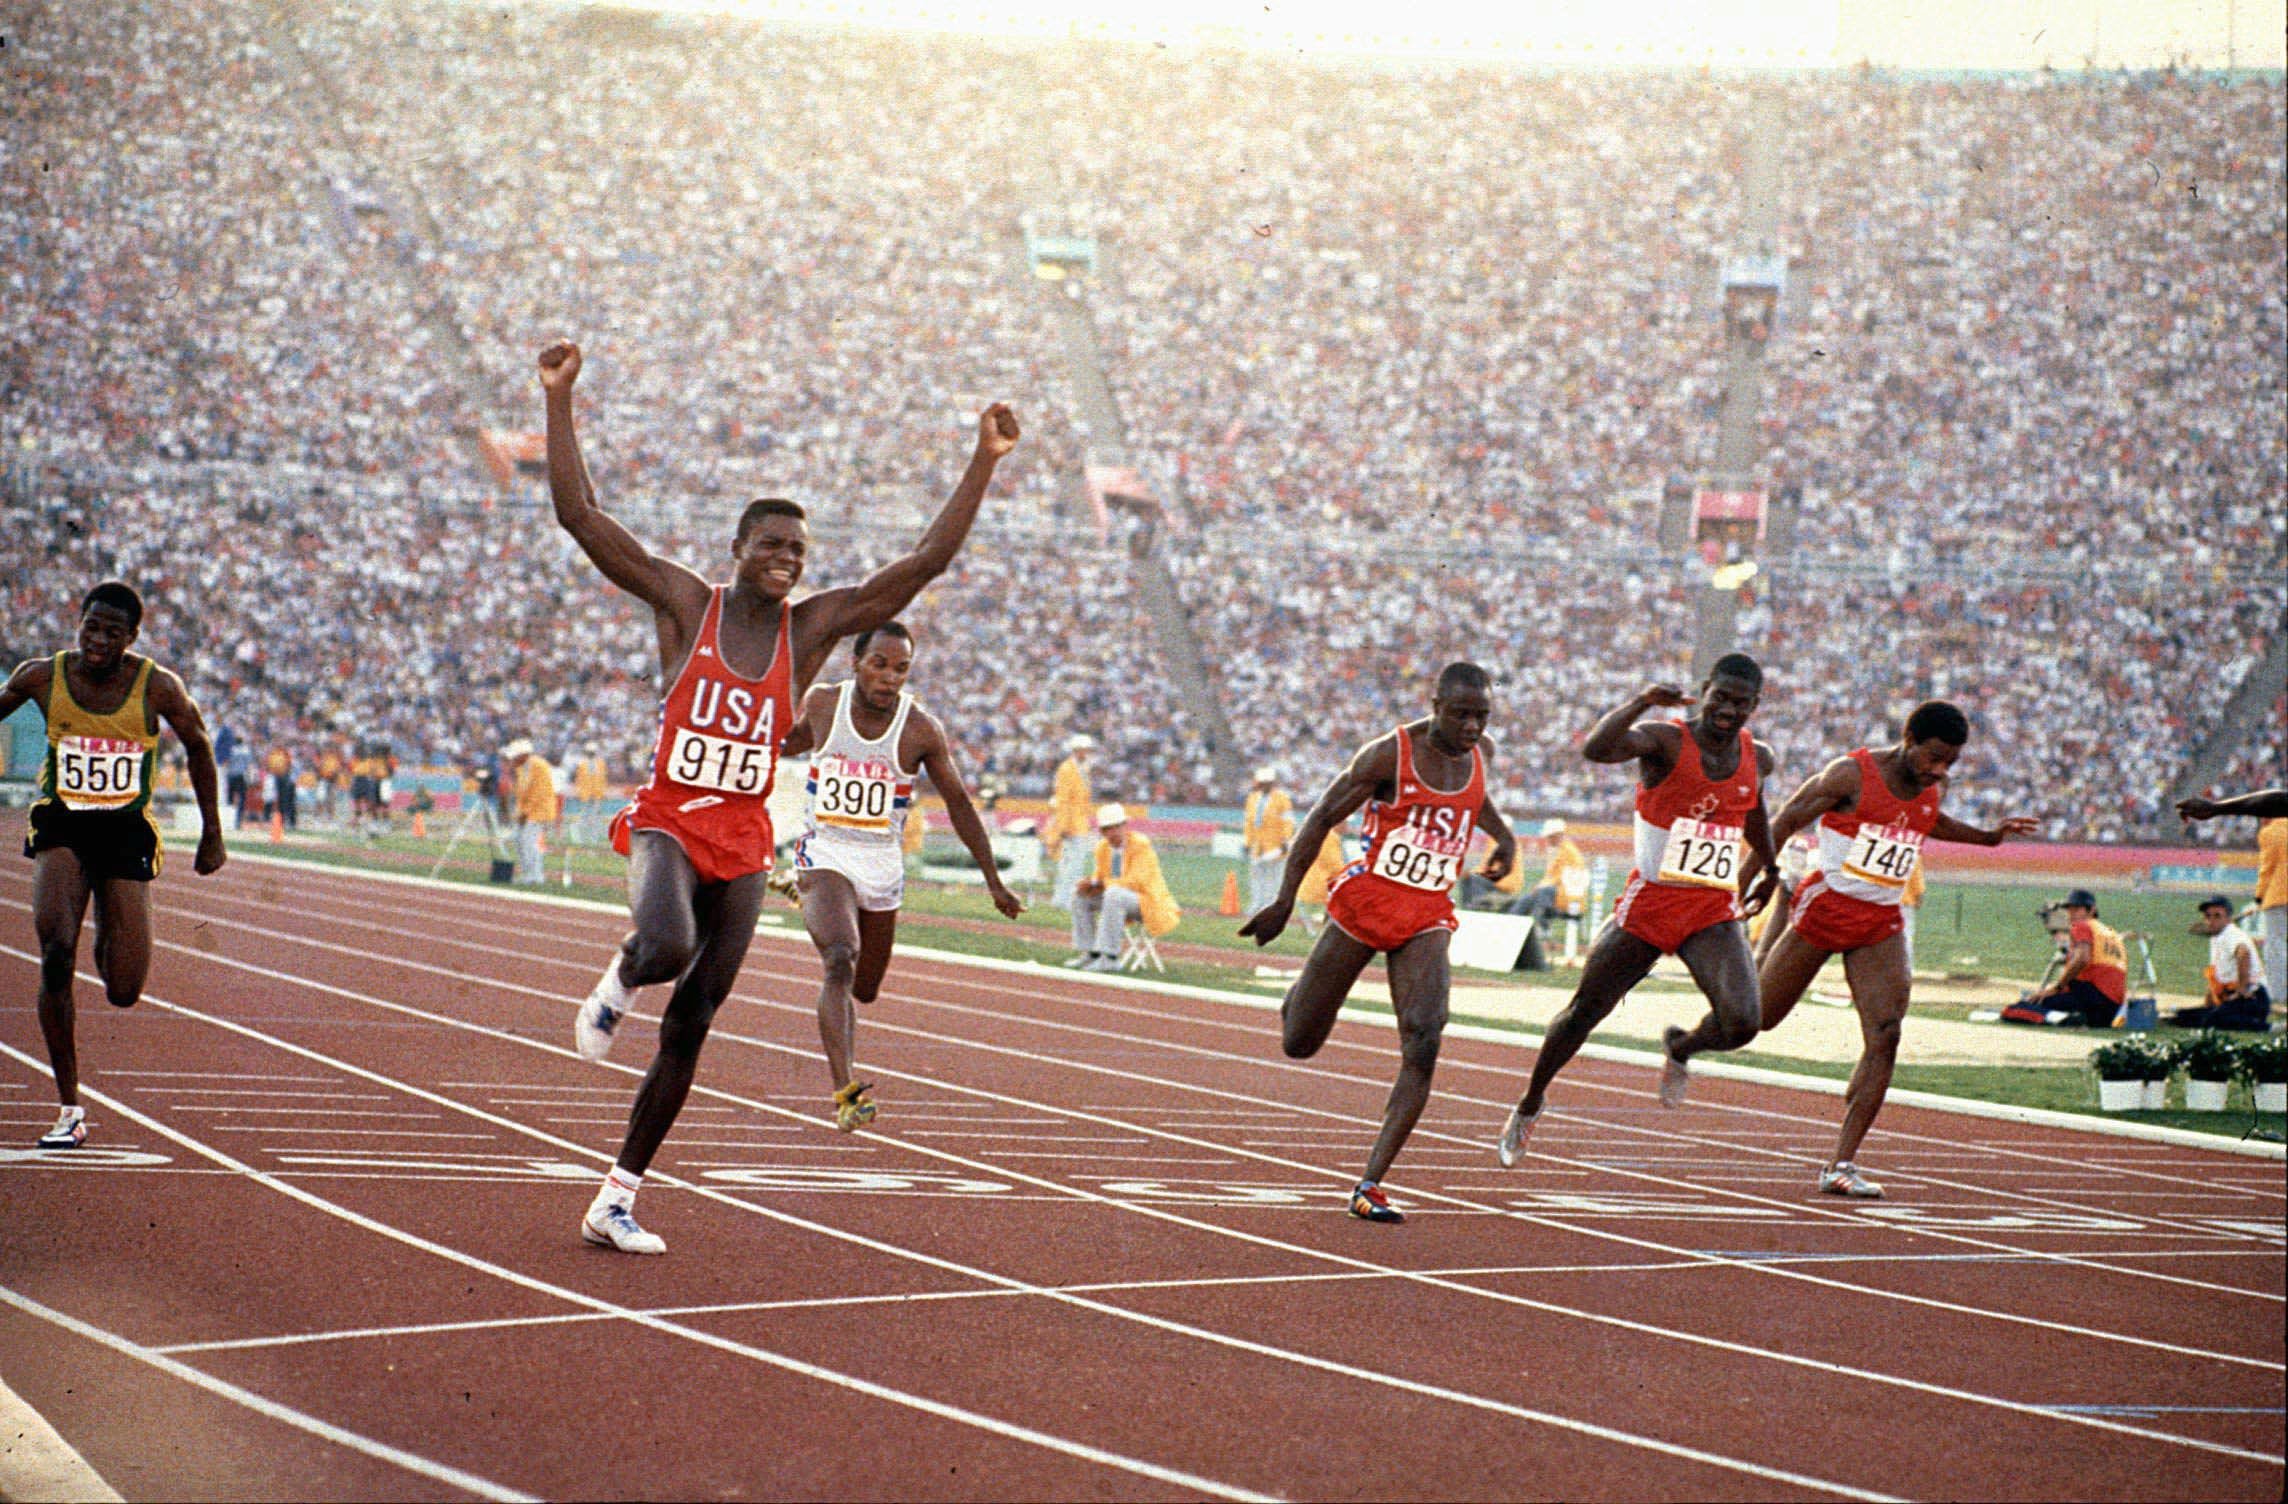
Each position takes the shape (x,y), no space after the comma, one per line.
(1229,908)
(420,827)
(277,828)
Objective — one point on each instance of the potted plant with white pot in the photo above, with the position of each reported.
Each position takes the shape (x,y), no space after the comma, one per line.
(2264,1061)
(2160,1063)
(2210,1059)
(2120,1065)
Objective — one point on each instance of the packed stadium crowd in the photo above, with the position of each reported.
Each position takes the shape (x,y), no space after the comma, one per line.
(2034,322)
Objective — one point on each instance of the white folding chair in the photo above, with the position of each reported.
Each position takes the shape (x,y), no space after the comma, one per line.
(1137,950)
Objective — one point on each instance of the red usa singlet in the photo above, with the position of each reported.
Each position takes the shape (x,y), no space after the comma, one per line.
(717,756)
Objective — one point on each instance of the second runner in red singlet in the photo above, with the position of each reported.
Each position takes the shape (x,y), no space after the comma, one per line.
(1689,832)
(1423,790)
(716,758)
(1866,856)
(1415,843)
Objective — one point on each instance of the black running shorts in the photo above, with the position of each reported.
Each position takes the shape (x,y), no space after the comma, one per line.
(108,843)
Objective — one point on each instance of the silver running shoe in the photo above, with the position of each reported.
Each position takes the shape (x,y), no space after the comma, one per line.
(1675,1075)
(70,1130)
(610,1225)
(1514,1133)
(607,1002)
(1843,1179)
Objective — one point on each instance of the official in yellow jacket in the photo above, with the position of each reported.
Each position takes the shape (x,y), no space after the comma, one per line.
(1067,838)
(1268,824)
(1126,888)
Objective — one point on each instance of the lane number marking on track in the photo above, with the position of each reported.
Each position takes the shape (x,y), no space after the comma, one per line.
(1645,1204)
(81,1158)
(2034,1219)
(806,1178)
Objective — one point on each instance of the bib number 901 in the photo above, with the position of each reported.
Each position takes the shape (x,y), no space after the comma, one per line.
(1414,866)
(713,762)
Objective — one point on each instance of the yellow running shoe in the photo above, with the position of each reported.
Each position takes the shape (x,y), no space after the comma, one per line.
(852,1107)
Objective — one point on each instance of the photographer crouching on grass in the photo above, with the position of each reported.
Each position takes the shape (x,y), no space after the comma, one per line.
(2095,978)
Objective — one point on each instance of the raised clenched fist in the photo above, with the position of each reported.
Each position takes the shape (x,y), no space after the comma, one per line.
(996,431)
(560,366)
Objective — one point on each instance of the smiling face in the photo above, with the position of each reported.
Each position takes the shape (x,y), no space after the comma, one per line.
(1726,703)
(105,634)
(769,555)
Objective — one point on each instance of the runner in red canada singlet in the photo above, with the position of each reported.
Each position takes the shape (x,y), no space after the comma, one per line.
(1699,796)
(1874,811)
(1423,788)
(698,841)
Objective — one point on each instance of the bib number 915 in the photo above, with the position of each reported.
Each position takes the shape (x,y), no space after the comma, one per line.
(713,762)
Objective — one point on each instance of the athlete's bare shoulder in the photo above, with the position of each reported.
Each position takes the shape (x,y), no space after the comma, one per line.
(1767,761)
(27,685)
(923,736)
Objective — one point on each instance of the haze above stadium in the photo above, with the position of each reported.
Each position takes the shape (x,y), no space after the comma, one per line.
(1937,34)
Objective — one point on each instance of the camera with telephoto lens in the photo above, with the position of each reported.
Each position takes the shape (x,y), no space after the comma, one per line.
(2054,918)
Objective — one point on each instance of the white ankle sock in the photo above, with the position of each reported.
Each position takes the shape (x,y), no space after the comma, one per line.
(619,1188)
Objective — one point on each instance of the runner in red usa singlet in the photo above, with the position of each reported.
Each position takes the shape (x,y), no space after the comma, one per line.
(717,758)
(1415,846)
(736,660)
(1423,788)
(1699,799)
(1873,811)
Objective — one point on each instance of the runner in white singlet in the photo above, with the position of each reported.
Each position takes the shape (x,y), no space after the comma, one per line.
(866,739)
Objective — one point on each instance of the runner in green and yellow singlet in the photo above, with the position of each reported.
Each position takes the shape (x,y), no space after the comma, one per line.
(92,833)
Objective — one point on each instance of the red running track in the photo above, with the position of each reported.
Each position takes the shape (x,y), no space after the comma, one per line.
(322,1243)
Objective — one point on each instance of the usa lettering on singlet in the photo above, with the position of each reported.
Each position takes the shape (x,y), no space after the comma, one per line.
(1870,853)
(859,795)
(1690,827)
(720,731)
(1420,838)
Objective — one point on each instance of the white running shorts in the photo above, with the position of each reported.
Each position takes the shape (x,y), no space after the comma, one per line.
(876,872)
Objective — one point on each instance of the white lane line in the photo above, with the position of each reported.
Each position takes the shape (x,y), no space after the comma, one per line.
(1473,1401)
(299,1112)
(857,1385)
(1793,1207)
(818,1302)
(462,1133)
(272,1096)
(1665,1333)
(107,1073)
(483,1488)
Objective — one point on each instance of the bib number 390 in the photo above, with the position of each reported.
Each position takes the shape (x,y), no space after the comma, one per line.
(1402,861)
(846,799)
(714,762)
(1700,855)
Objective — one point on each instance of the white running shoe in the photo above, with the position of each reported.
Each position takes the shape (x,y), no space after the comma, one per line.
(1675,1075)
(1843,1179)
(1514,1133)
(70,1130)
(601,1013)
(611,1225)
